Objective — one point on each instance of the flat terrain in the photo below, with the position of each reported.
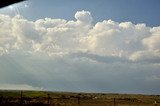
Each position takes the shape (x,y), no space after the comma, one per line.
(40,98)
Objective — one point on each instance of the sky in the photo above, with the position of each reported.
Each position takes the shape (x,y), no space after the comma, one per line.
(105,46)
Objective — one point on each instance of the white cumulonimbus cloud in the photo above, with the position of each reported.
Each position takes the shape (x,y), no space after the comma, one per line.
(60,36)
(78,47)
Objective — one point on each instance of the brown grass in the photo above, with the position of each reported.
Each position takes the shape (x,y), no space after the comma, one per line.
(37,98)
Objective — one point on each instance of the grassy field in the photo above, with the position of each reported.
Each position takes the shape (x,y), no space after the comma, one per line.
(40,98)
